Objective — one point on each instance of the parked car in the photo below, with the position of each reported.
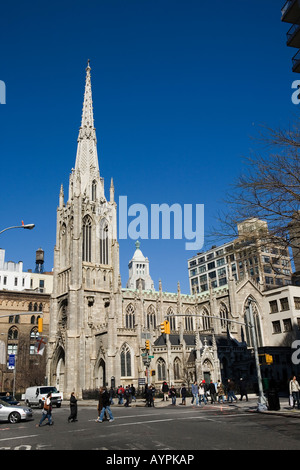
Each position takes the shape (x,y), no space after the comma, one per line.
(14,413)
(10,400)
(36,396)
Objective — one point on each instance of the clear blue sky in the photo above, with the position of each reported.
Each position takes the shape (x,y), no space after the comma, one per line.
(180,87)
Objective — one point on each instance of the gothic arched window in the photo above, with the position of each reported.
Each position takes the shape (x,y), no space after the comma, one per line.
(129,316)
(161,369)
(257,327)
(151,317)
(87,239)
(189,324)
(125,361)
(177,369)
(104,242)
(206,319)
(171,319)
(224,316)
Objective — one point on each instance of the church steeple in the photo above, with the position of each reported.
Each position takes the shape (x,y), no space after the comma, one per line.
(87,165)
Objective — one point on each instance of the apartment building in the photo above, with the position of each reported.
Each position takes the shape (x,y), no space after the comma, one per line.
(290,13)
(253,252)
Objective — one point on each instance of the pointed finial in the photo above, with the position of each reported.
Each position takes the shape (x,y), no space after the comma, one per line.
(88,65)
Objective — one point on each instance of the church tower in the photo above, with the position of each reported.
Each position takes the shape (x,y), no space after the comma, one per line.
(86,271)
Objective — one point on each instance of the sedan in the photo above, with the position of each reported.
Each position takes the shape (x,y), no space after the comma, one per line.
(14,413)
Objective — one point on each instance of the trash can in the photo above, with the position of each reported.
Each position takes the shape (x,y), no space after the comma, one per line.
(273,398)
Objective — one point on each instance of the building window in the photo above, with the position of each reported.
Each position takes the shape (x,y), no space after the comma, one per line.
(273,306)
(177,367)
(125,361)
(87,239)
(161,369)
(104,242)
(206,321)
(287,325)
(129,317)
(171,319)
(16,281)
(297,303)
(224,316)
(151,317)
(276,327)
(284,304)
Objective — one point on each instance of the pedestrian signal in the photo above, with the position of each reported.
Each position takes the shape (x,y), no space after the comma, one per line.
(147,344)
(165,327)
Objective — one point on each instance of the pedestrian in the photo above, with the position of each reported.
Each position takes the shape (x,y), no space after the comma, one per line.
(73,408)
(230,391)
(149,396)
(132,388)
(120,394)
(243,389)
(165,390)
(212,392)
(111,395)
(127,396)
(183,394)
(220,392)
(173,394)
(195,392)
(202,393)
(103,405)
(294,391)
(47,411)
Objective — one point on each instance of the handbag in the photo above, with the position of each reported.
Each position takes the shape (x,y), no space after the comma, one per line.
(291,400)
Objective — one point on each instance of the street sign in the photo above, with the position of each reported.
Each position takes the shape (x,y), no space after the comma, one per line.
(11,361)
(141,381)
(151,357)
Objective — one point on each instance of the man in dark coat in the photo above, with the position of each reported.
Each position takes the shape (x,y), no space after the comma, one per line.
(73,408)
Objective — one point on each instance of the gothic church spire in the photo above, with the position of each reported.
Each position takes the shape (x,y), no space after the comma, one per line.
(87,166)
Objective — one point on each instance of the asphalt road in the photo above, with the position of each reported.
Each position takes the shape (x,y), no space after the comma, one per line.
(163,430)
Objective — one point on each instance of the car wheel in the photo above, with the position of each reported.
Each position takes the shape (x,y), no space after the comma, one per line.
(14,417)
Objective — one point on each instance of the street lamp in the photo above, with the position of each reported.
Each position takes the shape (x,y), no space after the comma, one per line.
(27,226)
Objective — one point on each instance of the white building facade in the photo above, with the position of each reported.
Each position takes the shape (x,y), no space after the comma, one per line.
(98,329)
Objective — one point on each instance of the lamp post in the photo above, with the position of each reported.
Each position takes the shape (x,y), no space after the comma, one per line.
(27,226)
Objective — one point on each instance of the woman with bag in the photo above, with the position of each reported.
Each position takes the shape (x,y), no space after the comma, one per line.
(47,411)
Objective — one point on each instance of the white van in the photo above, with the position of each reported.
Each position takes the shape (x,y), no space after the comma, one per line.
(38,394)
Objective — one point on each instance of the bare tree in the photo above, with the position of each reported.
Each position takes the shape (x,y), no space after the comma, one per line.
(269,190)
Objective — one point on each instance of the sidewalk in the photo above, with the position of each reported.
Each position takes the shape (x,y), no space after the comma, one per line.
(249,406)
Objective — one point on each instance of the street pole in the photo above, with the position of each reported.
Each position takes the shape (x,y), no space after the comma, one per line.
(27,226)
(262,404)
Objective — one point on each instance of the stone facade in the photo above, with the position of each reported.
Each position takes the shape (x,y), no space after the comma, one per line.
(98,329)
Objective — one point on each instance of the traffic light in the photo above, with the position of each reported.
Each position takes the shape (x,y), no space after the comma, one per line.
(147,344)
(269,359)
(40,325)
(165,327)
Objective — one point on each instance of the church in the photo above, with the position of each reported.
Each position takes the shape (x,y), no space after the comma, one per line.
(98,329)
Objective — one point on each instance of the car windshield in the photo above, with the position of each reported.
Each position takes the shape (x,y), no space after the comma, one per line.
(48,389)
(4,403)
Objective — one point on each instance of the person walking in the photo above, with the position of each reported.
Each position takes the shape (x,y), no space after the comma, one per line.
(243,389)
(73,408)
(230,391)
(195,392)
(127,396)
(104,406)
(202,393)
(212,392)
(220,392)
(132,388)
(294,391)
(183,392)
(47,411)
(165,390)
(173,394)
